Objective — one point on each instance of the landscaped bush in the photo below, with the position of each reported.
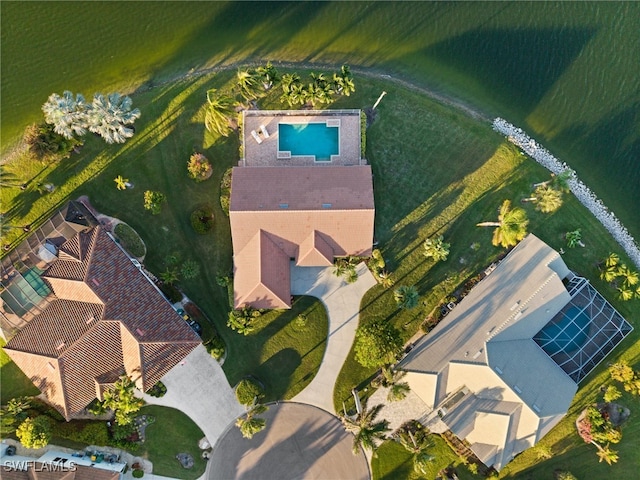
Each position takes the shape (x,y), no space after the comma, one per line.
(216,347)
(92,432)
(130,240)
(158,390)
(46,145)
(153,201)
(137,473)
(202,219)
(199,167)
(171,292)
(225,191)
(248,391)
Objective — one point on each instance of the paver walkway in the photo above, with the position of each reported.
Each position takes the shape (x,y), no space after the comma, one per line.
(198,387)
(342,301)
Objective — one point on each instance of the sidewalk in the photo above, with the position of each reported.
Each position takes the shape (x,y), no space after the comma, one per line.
(342,301)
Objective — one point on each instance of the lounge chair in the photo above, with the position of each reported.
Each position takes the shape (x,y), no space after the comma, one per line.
(256,136)
(264,131)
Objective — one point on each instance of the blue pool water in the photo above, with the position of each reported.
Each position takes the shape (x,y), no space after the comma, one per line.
(309,139)
(566,334)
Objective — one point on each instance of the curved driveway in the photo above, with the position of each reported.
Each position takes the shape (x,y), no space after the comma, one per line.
(342,301)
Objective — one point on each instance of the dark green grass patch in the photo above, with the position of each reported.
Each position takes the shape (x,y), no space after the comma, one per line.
(173,432)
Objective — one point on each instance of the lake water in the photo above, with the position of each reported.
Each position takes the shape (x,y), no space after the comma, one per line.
(567,72)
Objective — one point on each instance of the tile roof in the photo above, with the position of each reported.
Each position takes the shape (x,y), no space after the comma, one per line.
(310,214)
(107,318)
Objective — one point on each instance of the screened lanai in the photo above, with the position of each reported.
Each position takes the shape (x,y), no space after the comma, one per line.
(583,332)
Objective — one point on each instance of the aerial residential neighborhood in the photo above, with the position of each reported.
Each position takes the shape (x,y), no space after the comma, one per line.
(334,240)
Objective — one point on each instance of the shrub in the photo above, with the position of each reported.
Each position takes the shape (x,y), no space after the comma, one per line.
(199,167)
(216,347)
(190,269)
(137,473)
(46,145)
(225,191)
(158,390)
(202,219)
(82,431)
(130,240)
(153,201)
(171,292)
(249,390)
(35,432)
(377,343)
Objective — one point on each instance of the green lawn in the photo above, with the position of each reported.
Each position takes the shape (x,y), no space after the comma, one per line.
(14,382)
(282,353)
(394,462)
(436,171)
(173,432)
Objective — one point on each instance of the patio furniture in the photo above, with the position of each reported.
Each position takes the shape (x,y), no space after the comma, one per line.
(264,131)
(256,136)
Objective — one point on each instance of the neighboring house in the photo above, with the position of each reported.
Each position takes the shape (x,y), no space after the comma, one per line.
(303,194)
(103,319)
(502,368)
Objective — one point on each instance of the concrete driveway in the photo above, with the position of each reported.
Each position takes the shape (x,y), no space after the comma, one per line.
(342,301)
(198,387)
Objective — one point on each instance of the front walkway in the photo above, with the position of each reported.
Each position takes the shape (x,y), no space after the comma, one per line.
(342,301)
(198,387)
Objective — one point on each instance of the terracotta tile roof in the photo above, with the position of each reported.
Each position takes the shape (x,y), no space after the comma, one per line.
(259,189)
(315,251)
(262,274)
(310,214)
(106,316)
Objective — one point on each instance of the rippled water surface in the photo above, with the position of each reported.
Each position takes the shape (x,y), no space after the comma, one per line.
(568,72)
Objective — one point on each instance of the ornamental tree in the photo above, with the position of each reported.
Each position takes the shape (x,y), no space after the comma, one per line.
(378,343)
(34,432)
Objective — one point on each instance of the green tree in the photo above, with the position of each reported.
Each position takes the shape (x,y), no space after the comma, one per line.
(436,248)
(243,320)
(406,297)
(219,110)
(45,145)
(153,201)
(35,432)
(198,167)
(190,269)
(573,238)
(511,226)
(546,198)
(268,75)
(247,81)
(122,400)
(249,424)
(366,430)
(111,117)
(377,343)
(169,276)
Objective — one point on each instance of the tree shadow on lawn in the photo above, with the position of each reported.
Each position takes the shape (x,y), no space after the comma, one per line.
(277,371)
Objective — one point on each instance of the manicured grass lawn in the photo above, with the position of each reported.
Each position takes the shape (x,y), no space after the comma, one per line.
(282,353)
(394,462)
(173,432)
(436,172)
(14,382)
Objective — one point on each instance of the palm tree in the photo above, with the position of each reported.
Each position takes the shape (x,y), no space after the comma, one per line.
(219,111)
(511,225)
(605,454)
(624,294)
(417,444)
(406,297)
(288,81)
(574,238)
(559,181)
(546,198)
(391,379)
(169,276)
(268,74)
(436,248)
(67,114)
(386,279)
(121,183)
(398,391)
(612,260)
(365,429)
(247,84)
(609,274)
(249,424)
(109,116)
(629,277)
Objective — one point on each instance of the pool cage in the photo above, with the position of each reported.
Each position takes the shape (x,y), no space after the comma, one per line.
(579,346)
(23,294)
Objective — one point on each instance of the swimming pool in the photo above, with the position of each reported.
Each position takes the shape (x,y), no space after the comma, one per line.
(565,334)
(309,140)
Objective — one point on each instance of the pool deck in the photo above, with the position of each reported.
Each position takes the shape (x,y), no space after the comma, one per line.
(265,153)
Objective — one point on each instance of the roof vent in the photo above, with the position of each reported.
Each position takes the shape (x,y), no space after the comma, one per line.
(51,367)
(284,205)
(477,353)
(518,315)
(536,408)
(515,305)
(95,282)
(140,332)
(326,205)
(60,345)
(499,370)
(517,389)
(90,318)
